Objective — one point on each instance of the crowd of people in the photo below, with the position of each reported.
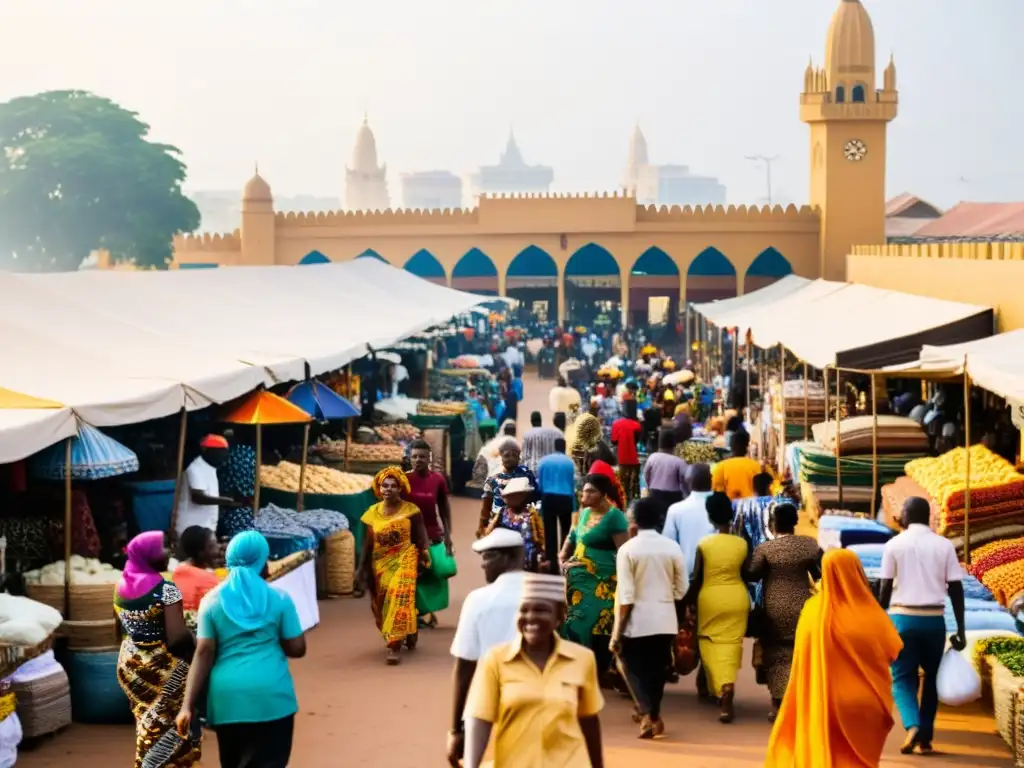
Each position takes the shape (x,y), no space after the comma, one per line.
(614,562)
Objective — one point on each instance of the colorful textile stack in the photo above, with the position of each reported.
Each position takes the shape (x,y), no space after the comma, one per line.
(1000,567)
(997,490)
(794,402)
(840,531)
(895,435)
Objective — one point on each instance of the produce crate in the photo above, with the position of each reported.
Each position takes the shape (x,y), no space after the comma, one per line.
(1006,700)
(352,505)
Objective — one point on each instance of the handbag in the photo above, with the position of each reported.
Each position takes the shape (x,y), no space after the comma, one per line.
(685,653)
(442,565)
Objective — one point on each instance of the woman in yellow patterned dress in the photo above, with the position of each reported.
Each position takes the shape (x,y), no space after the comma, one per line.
(718,589)
(394,546)
(588,562)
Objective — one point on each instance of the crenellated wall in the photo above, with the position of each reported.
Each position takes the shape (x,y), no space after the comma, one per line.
(988,274)
(502,227)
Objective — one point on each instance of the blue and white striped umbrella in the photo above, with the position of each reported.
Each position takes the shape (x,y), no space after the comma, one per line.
(94,456)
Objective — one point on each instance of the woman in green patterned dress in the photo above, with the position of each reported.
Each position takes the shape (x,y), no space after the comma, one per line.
(153,664)
(588,562)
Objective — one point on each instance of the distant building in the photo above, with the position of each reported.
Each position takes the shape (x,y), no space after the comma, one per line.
(221,211)
(366,183)
(906,214)
(512,174)
(431,190)
(666,184)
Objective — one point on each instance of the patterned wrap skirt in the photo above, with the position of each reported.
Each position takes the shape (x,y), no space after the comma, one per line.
(154,682)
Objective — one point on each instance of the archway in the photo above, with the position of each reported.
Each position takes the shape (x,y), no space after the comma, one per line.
(475,272)
(369,253)
(592,288)
(768,267)
(314,257)
(532,280)
(711,276)
(654,292)
(424,264)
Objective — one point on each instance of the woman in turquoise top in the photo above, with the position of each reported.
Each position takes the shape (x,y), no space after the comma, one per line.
(588,561)
(247,632)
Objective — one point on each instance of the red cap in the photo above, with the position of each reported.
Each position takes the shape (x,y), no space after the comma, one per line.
(213,441)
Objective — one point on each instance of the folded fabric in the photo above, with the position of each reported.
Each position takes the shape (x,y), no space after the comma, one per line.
(894,434)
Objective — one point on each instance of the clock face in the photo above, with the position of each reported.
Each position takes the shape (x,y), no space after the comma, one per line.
(855,150)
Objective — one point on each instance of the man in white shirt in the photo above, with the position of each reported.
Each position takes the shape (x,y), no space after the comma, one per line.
(919,568)
(687,521)
(200,501)
(489,618)
(563,398)
(652,580)
(538,442)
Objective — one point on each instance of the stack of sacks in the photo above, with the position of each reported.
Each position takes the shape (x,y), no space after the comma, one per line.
(896,434)
(25,622)
(795,413)
(815,465)
(997,490)
(981,615)
(1000,567)
(44,696)
(288,531)
(835,531)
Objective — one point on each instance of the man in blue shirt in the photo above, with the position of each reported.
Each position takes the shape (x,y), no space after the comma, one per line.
(556,484)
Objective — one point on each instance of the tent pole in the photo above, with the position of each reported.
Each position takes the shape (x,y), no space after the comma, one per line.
(302,467)
(182,428)
(746,361)
(807,404)
(967,464)
(67,528)
(828,411)
(782,402)
(348,427)
(259,464)
(687,322)
(735,357)
(839,424)
(874,447)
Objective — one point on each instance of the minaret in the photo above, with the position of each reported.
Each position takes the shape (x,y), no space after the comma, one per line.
(258,230)
(636,158)
(848,118)
(366,184)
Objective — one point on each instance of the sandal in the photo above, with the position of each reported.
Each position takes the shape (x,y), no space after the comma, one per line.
(410,642)
(646,728)
(393,659)
(659,727)
(909,743)
(725,702)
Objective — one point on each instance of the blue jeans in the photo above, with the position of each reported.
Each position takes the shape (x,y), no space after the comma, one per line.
(924,642)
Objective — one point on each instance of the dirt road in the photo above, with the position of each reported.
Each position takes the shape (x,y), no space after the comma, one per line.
(355,711)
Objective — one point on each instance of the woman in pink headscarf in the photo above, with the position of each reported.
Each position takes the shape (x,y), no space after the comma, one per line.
(155,654)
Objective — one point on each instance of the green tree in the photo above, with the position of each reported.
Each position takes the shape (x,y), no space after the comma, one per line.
(78,174)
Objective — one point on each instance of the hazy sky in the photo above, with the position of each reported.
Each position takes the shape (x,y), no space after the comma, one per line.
(286,82)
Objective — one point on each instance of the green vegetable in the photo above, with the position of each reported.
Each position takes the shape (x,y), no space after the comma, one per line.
(1008,651)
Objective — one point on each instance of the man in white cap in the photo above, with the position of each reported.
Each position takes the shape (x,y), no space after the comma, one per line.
(488,618)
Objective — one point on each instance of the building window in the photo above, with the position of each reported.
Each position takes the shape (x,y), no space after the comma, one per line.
(858,94)
(840,94)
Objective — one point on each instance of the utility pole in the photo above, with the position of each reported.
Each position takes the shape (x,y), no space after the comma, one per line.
(768,170)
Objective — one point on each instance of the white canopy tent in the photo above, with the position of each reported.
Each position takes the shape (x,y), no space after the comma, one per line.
(995,363)
(723,311)
(122,347)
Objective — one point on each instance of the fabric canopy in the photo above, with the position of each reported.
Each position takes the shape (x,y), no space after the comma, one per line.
(995,363)
(726,313)
(829,324)
(94,456)
(321,402)
(121,347)
(267,408)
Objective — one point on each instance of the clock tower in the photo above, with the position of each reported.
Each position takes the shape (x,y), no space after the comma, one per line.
(848,116)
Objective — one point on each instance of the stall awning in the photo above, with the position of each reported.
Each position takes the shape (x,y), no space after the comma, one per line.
(120,347)
(726,313)
(995,363)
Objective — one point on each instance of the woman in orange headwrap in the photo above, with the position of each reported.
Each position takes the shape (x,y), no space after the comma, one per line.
(394,546)
(838,707)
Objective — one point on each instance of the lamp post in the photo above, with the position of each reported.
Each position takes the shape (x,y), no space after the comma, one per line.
(768,170)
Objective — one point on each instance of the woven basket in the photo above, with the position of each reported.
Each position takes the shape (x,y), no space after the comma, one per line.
(44,703)
(1005,700)
(89,602)
(1018,730)
(341,563)
(89,635)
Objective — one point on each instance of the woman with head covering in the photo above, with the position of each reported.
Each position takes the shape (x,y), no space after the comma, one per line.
(247,632)
(785,566)
(488,460)
(511,468)
(618,492)
(394,546)
(194,577)
(531,726)
(723,604)
(152,665)
(519,514)
(588,561)
(838,707)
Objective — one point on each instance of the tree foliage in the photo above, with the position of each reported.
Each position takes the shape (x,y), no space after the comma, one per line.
(78,174)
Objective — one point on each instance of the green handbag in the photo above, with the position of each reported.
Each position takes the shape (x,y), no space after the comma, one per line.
(442,565)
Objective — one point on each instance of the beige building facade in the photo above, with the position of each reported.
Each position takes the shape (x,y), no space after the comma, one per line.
(563,246)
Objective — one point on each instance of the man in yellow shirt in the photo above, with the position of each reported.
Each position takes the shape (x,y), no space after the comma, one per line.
(539,692)
(735,476)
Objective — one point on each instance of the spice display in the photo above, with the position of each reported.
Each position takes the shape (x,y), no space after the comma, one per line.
(440,408)
(318,479)
(397,433)
(993,478)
